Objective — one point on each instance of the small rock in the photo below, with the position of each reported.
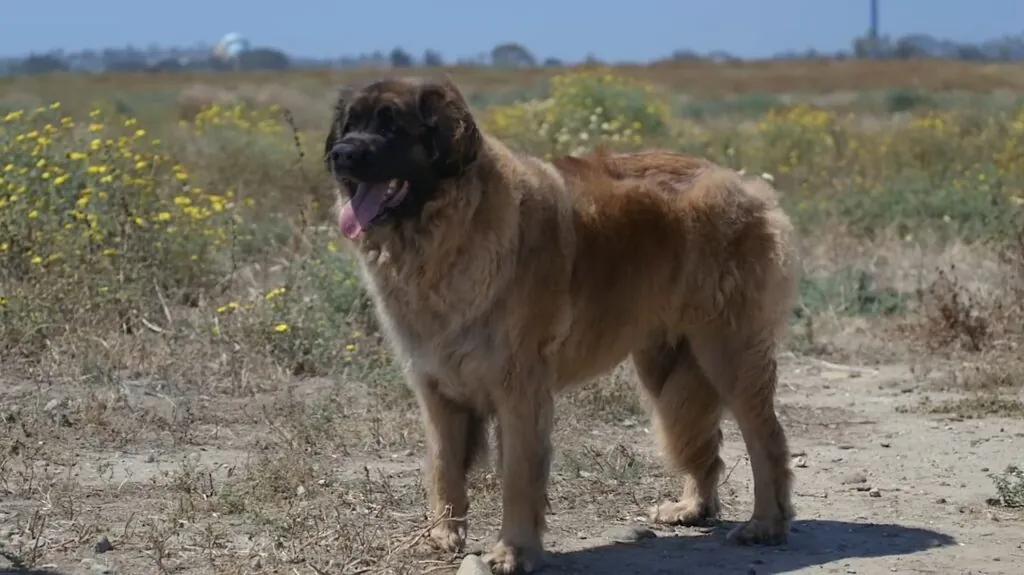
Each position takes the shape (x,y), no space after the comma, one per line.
(473,565)
(863,487)
(853,478)
(96,567)
(885,444)
(984,469)
(51,405)
(874,492)
(628,533)
(150,457)
(800,461)
(941,500)
(845,446)
(300,491)
(103,545)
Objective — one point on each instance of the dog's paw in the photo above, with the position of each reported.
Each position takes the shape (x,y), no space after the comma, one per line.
(448,536)
(688,512)
(759,532)
(505,559)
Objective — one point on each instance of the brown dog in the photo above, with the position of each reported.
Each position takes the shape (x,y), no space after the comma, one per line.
(501,279)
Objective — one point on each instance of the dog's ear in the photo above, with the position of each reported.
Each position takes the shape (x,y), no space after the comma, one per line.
(455,139)
(339,116)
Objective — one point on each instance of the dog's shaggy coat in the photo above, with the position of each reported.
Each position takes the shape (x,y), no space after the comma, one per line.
(502,279)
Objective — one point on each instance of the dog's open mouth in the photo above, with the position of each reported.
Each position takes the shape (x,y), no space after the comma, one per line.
(369,203)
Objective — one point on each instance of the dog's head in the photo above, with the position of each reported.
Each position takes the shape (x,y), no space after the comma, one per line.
(392,144)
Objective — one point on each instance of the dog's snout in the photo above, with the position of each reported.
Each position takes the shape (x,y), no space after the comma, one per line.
(344,154)
(356,156)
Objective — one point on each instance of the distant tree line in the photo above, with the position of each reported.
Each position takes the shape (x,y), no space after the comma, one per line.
(155,59)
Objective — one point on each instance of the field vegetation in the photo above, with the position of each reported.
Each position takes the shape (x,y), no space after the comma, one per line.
(190,369)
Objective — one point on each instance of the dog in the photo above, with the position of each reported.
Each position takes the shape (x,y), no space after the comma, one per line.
(501,279)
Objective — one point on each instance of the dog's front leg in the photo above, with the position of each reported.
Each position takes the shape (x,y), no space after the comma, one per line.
(456,437)
(525,415)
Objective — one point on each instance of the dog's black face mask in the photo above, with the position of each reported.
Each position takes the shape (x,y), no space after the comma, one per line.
(392,143)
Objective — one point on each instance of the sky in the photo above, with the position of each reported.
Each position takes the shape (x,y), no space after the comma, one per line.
(630,30)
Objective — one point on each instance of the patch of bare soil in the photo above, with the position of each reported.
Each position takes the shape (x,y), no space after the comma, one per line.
(317,479)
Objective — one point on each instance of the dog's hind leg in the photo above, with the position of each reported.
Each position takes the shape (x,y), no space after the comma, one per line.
(456,437)
(687,414)
(743,368)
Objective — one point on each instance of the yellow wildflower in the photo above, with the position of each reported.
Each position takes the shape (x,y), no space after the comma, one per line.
(274,293)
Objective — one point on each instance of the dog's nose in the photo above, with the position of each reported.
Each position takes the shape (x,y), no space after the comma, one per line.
(345,154)
(340,154)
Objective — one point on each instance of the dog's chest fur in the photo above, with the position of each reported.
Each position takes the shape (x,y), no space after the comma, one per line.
(440,312)
(475,293)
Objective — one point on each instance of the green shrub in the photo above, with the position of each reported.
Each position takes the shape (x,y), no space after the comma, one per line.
(96,220)
(583,109)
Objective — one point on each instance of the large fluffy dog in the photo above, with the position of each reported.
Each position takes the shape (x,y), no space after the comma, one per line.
(502,279)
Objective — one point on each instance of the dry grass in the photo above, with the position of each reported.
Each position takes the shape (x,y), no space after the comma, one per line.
(694,77)
(208,390)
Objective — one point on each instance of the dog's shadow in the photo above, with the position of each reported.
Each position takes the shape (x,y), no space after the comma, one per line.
(811,543)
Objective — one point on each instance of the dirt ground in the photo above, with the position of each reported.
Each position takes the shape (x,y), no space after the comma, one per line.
(157,457)
(313,479)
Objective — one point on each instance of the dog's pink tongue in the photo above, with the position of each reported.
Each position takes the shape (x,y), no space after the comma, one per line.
(360,211)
